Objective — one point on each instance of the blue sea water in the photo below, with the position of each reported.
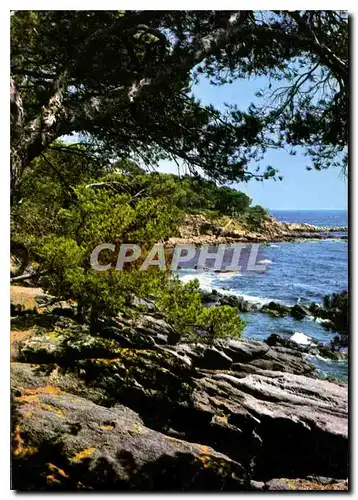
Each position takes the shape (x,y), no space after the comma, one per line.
(315,217)
(297,272)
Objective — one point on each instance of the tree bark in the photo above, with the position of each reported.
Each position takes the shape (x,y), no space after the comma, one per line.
(30,138)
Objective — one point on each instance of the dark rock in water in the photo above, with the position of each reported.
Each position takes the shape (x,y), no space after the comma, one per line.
(278,310)
(299,312)
(314,349)
(239,302)
(215,297)
(275,309)
(315,308)
(210,297)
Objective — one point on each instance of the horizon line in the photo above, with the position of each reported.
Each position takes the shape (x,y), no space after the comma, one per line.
(309,209)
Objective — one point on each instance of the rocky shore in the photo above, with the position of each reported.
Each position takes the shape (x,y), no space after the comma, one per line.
(199,230)
(298,312)
(132,408)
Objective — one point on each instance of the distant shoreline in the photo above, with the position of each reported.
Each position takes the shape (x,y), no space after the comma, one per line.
(199,230)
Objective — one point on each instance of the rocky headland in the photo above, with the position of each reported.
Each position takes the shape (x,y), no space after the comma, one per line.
(199,229)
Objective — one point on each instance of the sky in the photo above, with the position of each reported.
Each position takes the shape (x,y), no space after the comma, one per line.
(300,189)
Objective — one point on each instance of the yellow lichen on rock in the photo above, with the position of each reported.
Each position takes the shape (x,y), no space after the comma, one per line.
(81,455)
(53,468)
(52,479)
(20,449)
(222,419)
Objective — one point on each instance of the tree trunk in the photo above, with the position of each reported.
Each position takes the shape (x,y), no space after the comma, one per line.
(23,151)
(29,138)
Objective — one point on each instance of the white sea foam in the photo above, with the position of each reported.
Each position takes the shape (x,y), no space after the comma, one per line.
(321,320)
(301,338)
(342,361)
(226,276)
(204,279)
(253,299)
(208,283)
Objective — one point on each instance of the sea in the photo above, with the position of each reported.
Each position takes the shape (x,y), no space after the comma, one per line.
(297,272)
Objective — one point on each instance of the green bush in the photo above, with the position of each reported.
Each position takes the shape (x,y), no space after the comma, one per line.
(61,224)
(182,306)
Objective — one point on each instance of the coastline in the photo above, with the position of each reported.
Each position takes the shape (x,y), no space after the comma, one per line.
(199,230)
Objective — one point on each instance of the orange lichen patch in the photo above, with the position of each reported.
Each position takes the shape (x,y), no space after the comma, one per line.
(106,361)
(205,450)
(53,408)
(81,455)
(47,389)
(16,337)
(25,297)
(32,395)
(53,468)
(109,427)
(19,448)
(32,398)
(52,479)
(205,455)
(28,398)
(205,460)
(221,419)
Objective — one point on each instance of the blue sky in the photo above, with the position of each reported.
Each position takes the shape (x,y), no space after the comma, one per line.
(300,189)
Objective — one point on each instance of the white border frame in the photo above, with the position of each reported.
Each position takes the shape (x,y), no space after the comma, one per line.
(5,181)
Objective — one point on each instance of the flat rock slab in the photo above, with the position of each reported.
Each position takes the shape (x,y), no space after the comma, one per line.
(62,441)
(287,422)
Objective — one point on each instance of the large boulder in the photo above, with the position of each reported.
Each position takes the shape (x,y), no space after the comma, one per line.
(300,422)
(62,442)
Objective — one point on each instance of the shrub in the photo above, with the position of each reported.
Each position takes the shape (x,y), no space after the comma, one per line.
(182,306)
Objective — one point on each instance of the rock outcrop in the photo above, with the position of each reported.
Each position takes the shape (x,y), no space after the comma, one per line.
(200,230)
(93,412)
